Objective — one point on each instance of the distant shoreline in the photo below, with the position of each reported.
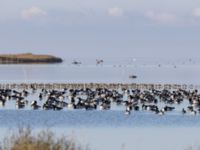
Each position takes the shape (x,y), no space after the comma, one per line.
(28,58)
(142,86)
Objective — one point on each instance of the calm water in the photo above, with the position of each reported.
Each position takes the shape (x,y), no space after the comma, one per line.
(183,71)
(111,129)
(78,118)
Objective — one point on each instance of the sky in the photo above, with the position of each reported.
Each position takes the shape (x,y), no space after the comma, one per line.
(96,28)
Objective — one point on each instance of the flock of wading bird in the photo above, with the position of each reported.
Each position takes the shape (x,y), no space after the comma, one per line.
(103,99)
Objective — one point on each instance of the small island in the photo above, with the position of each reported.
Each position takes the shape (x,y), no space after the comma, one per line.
(28,58)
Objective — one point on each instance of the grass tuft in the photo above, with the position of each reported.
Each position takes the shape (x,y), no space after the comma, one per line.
(24,139)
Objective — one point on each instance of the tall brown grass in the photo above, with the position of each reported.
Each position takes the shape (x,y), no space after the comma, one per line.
(24,139)
(27,56)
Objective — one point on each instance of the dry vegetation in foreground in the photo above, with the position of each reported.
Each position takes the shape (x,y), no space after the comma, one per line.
(24,139)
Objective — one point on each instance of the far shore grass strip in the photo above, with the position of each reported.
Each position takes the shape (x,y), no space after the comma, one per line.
(28,58)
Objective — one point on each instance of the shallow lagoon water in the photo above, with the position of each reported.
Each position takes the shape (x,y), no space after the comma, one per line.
(111,129)
(181,71)
(82,118)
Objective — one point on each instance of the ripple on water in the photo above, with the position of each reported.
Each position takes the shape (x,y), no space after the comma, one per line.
(82,118)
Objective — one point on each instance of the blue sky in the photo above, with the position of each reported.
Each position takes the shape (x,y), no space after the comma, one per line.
(96,28)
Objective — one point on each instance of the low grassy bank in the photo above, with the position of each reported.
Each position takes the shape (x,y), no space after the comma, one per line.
(28,58)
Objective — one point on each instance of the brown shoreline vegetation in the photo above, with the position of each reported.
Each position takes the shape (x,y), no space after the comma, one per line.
(25,139)
(28,58)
